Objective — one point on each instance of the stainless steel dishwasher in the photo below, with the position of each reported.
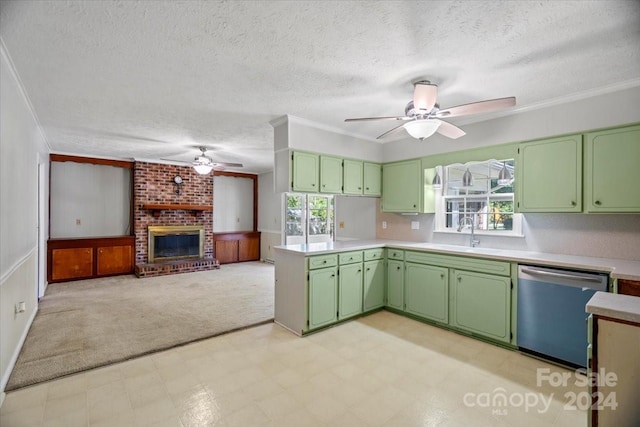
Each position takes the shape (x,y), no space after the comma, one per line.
(551,312)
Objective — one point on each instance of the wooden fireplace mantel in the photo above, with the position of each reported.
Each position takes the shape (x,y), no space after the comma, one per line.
(157,208)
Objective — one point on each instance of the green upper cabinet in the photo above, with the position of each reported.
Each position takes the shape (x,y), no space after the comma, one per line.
(395,284)
(481,304)
(352,177)
(306,172)
(549,175)
(372,176)
(330,175)
(612,171)
(323,297)
(350,290)
(427,291)
(374,281)
(402,186)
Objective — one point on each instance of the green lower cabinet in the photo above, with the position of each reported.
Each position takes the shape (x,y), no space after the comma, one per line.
(323,297)
(350,290)
(395,284)
(374,280)
(481,304)
(427,292)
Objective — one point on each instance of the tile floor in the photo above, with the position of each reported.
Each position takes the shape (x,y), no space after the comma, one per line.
(380,370)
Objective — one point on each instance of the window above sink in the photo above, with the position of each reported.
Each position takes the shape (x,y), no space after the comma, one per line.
(482,192)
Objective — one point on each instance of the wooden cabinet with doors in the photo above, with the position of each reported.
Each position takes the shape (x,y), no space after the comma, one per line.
(330,175)
(549,175)
(402,186)
(237,246)
(372,178)
(352,177)
(611,170)
(306,172)
(73,259)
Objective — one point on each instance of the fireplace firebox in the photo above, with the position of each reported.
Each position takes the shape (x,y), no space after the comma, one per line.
(175,242)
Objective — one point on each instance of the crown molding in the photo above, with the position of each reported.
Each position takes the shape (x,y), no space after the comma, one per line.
(327,128)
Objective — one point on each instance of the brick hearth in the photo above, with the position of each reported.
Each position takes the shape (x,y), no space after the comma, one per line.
(153,184)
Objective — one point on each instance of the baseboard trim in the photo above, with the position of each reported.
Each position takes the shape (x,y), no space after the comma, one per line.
(14,357)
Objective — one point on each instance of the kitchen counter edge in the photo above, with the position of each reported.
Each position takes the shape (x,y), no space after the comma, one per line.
(617,268)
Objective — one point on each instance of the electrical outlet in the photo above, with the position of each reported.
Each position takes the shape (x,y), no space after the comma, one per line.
(415,225)
(78,222)
(341,224)
(21,307)
(384,225)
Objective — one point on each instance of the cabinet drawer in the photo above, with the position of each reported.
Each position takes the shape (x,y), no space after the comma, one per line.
(373,254)
(322,261)
(502,268)
(395,254)
(350,257)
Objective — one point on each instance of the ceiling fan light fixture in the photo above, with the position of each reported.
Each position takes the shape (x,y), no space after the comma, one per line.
(203,168)
(422,129)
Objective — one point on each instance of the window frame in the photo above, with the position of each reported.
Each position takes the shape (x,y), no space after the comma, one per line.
(441,200)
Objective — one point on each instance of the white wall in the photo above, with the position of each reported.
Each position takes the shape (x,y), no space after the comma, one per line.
(357,215)
(21,145)
(270,205)
(232,204)
(97,196)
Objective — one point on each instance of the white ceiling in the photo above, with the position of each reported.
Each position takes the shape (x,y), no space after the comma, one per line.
(152,79)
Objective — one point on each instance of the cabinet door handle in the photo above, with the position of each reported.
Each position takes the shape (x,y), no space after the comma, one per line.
(598,202)
(324,262)
(359,271)
(368,269)
(313,185)
(359,188)
(459,279)
(398,267)
(324,185)
(367,188)
(333,275)
(442,275)
(414,206)
(573,203)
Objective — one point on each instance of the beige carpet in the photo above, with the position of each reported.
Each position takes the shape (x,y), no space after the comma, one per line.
(89,323)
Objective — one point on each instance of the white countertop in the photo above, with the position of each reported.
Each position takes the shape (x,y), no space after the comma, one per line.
(617,268)
(616,306)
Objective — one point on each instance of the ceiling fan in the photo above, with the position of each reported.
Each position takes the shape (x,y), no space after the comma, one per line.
(204,164)
(423,115)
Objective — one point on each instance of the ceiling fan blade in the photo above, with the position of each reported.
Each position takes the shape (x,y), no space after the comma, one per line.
(362,119)
(392,131)
(449,130)
(478,107)
(424,96)
(176,161)
(227,165)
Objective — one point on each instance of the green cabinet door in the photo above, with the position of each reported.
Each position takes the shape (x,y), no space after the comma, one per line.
(323,297)
(330,175)
(350,290)
(373,292)
(427,291)
(395,284)
(372,177)
(402,186)
(306,172)
(352,177)
(612,173)
(481,304)
(549,175)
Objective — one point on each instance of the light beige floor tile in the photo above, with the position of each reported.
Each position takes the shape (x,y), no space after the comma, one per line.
(298,418)
(117,419)
(277,406)
(230,402)
(25,417)
(262,389)
(196,397)
(101,376)
(155,411)
(29,397)
(106,400)
(60,406)
(205,413)
(326,408)
(347,419)
(250,415)
(76,418)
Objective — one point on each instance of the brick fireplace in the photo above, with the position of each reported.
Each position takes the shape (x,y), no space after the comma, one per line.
(154,186)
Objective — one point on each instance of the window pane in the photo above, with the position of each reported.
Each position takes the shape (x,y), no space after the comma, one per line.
(295,210)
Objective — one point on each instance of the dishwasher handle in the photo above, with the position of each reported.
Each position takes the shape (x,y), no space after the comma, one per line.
(537,272)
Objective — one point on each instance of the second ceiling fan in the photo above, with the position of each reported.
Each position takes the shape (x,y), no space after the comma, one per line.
(423,116)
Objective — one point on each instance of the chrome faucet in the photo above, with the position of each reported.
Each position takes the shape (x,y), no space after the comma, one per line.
(473,241)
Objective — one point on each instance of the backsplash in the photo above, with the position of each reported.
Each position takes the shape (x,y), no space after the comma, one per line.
(595,235)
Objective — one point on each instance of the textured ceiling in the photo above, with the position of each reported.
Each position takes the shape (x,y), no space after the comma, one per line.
(155,79)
